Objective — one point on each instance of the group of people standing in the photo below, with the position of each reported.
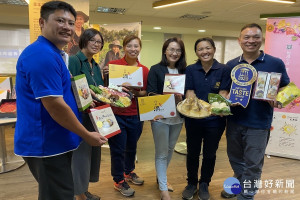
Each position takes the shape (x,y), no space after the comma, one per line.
(49,128)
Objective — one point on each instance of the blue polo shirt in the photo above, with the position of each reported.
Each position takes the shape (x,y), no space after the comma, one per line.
(217,78)
(258,114)
(41,72)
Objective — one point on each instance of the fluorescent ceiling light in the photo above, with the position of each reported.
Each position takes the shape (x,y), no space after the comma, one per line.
(157,28)
(201,31)
(282,1)
(167,3)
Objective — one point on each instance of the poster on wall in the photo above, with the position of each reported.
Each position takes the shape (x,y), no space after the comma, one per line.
(113,35)
(82,21)
(283,41)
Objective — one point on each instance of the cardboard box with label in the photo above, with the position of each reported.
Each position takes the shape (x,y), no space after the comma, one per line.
(81,92)
(126,75)
(104,121)
(174,84)
(156,107)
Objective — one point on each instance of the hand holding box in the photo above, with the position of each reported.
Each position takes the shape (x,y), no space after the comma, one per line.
(104,121)
(126,75)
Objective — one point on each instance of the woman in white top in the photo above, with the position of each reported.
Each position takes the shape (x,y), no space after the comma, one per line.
(166,131)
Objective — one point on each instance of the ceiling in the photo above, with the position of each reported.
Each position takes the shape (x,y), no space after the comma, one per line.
(225,17)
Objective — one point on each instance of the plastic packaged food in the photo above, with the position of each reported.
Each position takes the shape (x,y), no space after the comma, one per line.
(219,105)
(194,108)
(112,96)
(288,94)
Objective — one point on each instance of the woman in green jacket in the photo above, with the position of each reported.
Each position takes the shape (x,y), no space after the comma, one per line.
(86,159)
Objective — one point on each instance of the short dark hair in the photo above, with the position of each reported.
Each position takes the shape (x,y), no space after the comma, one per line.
(252,25)
(181,63)
(51,6)
(87,35)
(207,39)
(129,38)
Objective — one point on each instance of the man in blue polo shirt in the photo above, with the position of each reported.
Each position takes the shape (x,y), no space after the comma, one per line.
(48,129)
(248,128)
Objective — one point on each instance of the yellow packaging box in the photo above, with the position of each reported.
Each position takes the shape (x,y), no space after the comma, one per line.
(126,75)
(156,107)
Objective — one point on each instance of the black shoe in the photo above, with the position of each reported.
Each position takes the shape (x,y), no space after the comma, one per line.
(189,191)
(90,196)
(203,193)
(226,195)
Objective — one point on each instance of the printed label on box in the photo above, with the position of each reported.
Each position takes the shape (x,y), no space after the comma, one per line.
(104,121)
(81,92)
(125,75)
(174,84)
(266,86)
(157,107)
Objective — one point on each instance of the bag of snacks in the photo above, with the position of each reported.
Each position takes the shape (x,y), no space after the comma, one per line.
(219,105)
(288,94)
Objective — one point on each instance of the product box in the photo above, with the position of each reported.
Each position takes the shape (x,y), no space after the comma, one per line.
(104,121)
(126,75)
(4,94)
(156,107)
(81,92)
(5,87)
(266,86)
(174,84)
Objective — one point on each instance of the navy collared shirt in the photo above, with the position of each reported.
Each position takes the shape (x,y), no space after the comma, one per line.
(258,113)
(216,79)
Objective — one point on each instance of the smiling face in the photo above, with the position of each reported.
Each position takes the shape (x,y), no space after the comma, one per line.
(205,51)
(132,49)
(173,53)
(116,49)
(93,46)
(250,40)
(79,21)
(58,28)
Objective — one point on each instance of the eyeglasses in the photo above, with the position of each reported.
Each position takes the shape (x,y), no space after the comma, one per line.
(178,51)
(96,42)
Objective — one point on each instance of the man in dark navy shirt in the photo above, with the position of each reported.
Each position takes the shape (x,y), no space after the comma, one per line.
(248,128)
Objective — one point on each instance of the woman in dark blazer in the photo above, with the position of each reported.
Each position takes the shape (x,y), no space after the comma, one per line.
(166,131)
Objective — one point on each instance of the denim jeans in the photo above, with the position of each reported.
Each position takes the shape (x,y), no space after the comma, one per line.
(246,148)
(165,137)
(123,146)
(195,135)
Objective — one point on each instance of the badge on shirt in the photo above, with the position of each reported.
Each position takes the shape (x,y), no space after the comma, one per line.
(242,75)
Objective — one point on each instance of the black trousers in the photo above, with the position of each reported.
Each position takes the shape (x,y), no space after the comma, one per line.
(195,135)
(54,176)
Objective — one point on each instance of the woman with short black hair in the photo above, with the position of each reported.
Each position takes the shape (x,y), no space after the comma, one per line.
(86,159)
(205,76)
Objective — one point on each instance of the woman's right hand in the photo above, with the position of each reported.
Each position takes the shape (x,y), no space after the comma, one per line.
(105,70)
